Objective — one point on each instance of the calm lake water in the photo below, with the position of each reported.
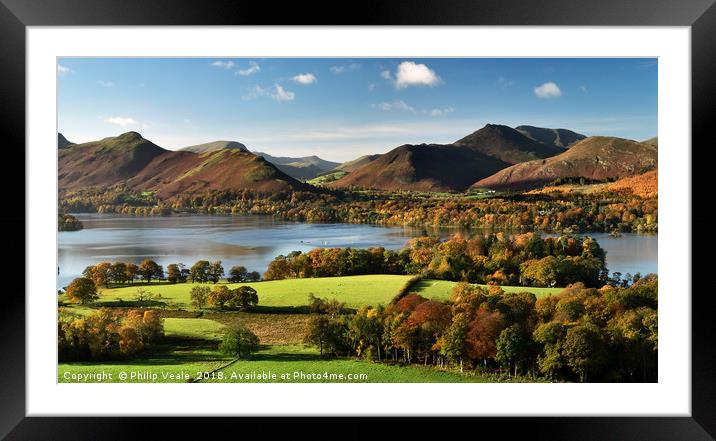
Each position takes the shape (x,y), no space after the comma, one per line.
(253,241)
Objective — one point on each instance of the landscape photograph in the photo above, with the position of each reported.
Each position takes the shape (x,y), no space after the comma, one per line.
(357,220)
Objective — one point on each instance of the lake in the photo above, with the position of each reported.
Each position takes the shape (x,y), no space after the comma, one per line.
(253,241)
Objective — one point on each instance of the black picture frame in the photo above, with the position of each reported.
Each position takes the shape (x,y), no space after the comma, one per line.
(700,15)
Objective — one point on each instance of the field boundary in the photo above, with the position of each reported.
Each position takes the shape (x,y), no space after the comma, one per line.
(409,284)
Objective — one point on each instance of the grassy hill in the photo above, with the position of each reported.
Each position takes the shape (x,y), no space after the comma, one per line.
(105,162)
(177,173)
(355,164)
(214,146)
(304,168)
(449,167)
(506,144)
(595,158)
(355,291)
(652,141)
(327,177)
(143,166)
(556,137)
(426,167)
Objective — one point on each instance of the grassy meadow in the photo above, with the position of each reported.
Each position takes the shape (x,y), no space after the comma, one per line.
(192,336)
(355,291)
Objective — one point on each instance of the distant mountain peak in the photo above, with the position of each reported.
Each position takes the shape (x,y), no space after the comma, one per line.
(303,167)
(507,144)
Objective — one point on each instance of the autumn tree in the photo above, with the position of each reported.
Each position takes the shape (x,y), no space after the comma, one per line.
(550,360)
(149,270)
(143,295)
(511,346)
(220,295)
(215,272)
(200,271)
(365,331)
(244,298)
(239,341)
(81,290)
(199,295)
(452,343)
(118,272)
(482,334)
(131,272)
(328,334)
(237,274)
(101,274)
(584,349)
(173,273)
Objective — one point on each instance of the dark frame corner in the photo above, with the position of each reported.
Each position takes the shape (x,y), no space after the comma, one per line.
(700,15)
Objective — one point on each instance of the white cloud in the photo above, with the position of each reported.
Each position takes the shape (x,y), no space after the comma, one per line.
(122,121)
(371,87)
(255,92)
(584,89)
(307,78)
(386,74)
(441,112)
(252,69)
(547,90)
(280,94)
(105,83)
(63,70)
(394,105)
(413,74)
(224,64)
(344,68)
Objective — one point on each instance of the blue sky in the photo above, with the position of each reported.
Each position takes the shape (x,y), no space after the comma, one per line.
(341,108)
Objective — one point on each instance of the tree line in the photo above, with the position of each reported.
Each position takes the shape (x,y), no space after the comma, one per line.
(107,335)
(203,271)
(562,213)
(523,259)
(582,334)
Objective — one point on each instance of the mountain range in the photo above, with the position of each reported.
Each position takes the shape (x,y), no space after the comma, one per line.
(143,166)
(494,157)
(303,168)
(448,167)
(596,158)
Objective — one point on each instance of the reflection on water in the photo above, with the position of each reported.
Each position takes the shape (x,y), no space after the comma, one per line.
(253,241)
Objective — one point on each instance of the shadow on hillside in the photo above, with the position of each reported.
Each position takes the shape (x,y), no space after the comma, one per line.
(131,304)
(171,351)
(258,309)
(284,357)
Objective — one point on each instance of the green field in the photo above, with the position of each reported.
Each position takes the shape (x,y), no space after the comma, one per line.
(440,289)
(190,346)
(193,328)
(328,177)
(353,290)
(173,361)
(290,363)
